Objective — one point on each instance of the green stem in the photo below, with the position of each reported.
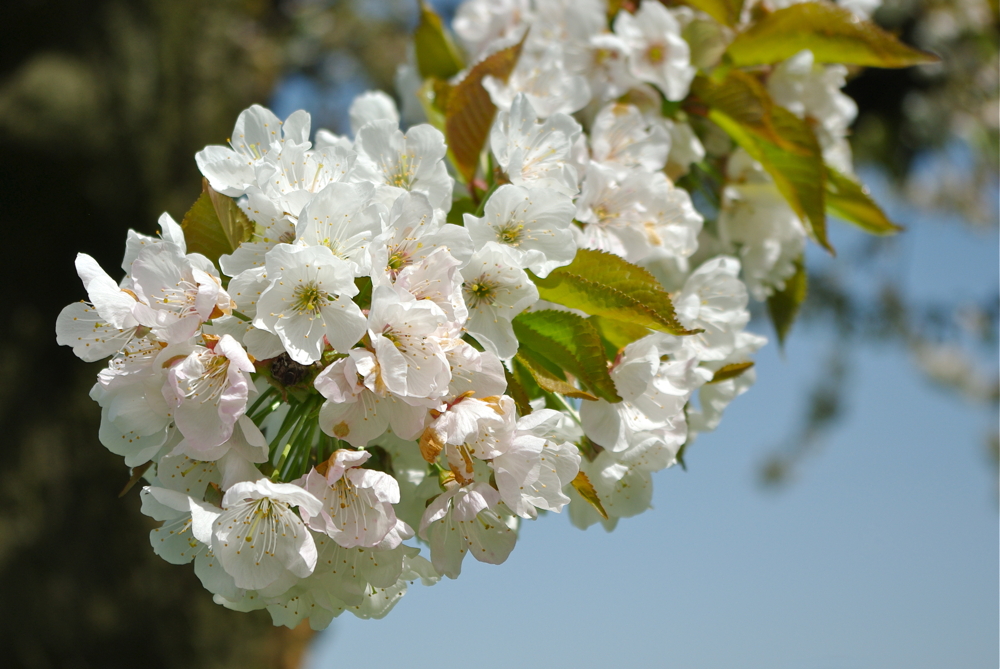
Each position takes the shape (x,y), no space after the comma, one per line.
(271,391)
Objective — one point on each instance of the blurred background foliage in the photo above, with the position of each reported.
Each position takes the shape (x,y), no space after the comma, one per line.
(102,107)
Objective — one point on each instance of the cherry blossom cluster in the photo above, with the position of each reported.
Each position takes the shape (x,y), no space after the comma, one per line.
(311,407)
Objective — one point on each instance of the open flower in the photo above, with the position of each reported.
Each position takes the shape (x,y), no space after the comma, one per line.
(208,390)
(308,302)
(357,502)
(259,538)
(657,52)
(533,224)
(496,290)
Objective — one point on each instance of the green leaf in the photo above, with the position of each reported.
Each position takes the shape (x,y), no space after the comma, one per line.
(568,341)
(548,381)
(364,297)
(459,208)
(731,371)
(850,200)
(726,12)
(603,284)
(796,164)
(833,34)
(469,111)
(617,334)
(586,489)
(436,53)
(215,225)
(783,306)
(744,99)
(517,391)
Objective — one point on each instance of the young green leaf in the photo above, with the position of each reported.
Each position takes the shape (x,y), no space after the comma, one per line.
(586,489)
(617,334)
(436,53)
(744,99)
(603,284)
(833,34)
(459,208)
(798,171)
(726,12)
(731,371)
(548,381)
(517,392)
(850,200)
(469,110)
(783,306)
(215,225)
(568,341)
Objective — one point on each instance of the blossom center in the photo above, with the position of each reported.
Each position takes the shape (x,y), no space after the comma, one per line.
(481,291)
(401,175)
(511,233)
(309,299)
(656,54)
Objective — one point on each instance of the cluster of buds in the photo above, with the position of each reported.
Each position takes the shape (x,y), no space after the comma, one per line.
(342,352)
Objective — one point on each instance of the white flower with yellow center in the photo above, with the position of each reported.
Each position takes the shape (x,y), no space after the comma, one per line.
(657,52)
(496,290)
(357,502)
(343,218)
(208,390)
(413,161)
(410,233)
(232,170)
(533,224)
(259,538)
(536,154)
(308,302)
(177,293)
(403,334)
(292,177)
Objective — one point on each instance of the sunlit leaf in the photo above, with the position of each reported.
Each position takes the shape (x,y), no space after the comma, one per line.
(436,53)
(586,489)
(724,11)
(517,392)
(833,34)
(798,170)
(603,284)
(469,111)
(744,99)
(215,225)
(731,371)
(617,334)
(571,343)
(850,200)
(548,381)
(783,306)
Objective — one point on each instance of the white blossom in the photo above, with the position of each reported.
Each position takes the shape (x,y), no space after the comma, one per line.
(657,52)
(308,302)
(259,539)
(534,224)
(536,154)
(496,290)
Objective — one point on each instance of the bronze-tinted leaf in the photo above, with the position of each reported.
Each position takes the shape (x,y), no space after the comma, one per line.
(469,111)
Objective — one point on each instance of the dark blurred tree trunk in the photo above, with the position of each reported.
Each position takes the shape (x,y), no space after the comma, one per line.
(102,107)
